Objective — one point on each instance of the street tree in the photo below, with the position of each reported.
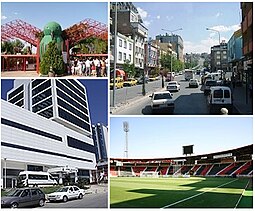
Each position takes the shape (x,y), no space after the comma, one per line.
(129,69)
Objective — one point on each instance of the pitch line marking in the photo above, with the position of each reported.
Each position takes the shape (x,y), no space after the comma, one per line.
(242,194)
(191,197)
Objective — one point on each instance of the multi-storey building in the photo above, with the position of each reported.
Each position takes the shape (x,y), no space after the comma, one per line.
(219,59)
(247,35)
(46,124)
(131,25)
(124,50)
(235,54)
(153,55)
(176,41)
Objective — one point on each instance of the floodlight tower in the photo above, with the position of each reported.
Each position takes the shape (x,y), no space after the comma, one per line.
(126,129)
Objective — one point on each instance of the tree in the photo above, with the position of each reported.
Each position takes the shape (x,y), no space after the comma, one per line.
(129,69)
(92,45)
(7,47)
(52,59)
(18,46)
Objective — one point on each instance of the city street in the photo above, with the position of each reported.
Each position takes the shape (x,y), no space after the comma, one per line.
(187,101)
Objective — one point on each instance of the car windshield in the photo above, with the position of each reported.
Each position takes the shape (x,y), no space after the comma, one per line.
(162,96)
(211,83)
(16,192)
(172,83)
(63,189)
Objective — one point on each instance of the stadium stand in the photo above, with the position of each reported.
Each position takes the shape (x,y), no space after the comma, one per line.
(229,163)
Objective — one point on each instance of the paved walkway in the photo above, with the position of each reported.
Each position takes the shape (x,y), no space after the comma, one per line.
(243,103)
(12,74)
(100,188)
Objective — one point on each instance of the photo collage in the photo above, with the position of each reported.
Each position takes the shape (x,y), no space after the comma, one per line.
(140,104)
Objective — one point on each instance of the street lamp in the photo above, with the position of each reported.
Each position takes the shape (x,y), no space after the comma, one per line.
(209,29)
(5,172)
(171,31)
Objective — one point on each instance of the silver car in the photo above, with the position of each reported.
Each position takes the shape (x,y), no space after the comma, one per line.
(173,86)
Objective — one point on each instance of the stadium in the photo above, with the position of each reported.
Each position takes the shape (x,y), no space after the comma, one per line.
(217,180)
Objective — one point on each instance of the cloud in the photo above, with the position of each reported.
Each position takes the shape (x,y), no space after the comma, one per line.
(146,23)
(169,18)
(142,13)
(15,13)
(218,15)
(158,17)
(222,28)
(3,17)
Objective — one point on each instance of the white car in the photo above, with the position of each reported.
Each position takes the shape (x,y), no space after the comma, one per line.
(162,101)
(65,193)
(193,83)
(173,86)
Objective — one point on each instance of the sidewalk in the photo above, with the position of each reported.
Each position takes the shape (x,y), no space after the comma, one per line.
(239,101)
(97,188)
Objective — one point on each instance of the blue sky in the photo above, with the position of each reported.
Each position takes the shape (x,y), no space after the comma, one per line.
(193,18)
(65,13)
(161,137)
(97,91)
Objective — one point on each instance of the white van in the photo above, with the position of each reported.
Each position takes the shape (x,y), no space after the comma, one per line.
(36,178)
(220,97)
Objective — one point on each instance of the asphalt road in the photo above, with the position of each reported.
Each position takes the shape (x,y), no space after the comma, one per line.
(188,101)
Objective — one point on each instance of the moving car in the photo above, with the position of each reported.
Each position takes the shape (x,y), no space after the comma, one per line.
(208,84)
(220,97)
(23,197)
(161,101)
(65,193)
(173,86)
(193,83)
(130,82)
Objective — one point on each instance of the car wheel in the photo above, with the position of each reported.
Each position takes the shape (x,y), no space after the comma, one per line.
(80,196)
(41,202)
(65,199)
(14,205)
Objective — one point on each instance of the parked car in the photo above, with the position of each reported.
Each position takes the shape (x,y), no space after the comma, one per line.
(173,86)
(65,193)
(118,83)
(193,83)
(220,97)
(130,82)
(208,84)
(161,101)
(23,197)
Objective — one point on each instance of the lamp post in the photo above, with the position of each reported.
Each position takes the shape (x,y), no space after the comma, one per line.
(5,172)
(171,31)
(209,29)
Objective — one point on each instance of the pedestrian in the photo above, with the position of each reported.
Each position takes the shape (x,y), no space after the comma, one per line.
(98,66)
(93,69)
(87,64)
(103,67)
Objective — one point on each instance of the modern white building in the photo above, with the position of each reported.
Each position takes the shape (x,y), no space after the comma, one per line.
(46,124)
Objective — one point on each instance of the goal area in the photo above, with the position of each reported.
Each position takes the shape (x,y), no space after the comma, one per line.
(153,174)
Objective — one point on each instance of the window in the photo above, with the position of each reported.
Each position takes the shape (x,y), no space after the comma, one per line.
(129,57)
(218,63)
(125,57)
(34,192)
(70,93)
(29,129)
(74,120)
(120,56)
(224,52)
(77,85)
(218,94)
(73,88)
(34,168)
(16,91)
(226,94)
(41,87)
(217,57)
(75,188)
(224,57)
(120,42)
(41,96)
(37,81)
(130,46)
(71,101)
(125,44)
(75,143)
(42,105)
(48,113)
(17,98)
(38,177)
(218,52)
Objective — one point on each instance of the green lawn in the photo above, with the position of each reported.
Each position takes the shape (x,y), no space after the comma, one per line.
(194,192)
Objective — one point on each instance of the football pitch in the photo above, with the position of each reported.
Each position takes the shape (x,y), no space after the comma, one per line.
(193,192)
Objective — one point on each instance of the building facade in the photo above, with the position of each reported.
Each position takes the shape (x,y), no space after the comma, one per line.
(247,35)
(176,41)
(130,24)
(219,60)
(40,131)
(235,54)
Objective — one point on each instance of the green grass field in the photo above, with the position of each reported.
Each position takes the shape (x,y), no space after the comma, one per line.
(194,192)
